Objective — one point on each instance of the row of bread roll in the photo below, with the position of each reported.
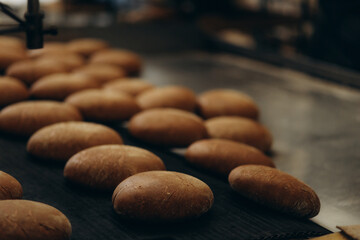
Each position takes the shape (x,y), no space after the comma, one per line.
(41,221)
(91,56)
(95,157)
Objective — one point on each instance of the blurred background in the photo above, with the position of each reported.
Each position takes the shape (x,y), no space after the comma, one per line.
(302,34)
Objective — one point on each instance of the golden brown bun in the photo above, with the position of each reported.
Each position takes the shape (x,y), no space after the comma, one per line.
(162,196)
(60,85)
(60,141)
(30,71)
(102,106)
(127,60)
(222,156)
(225,102)
(102,73)
(275,189)
(132,86)
(12,91)
(70,60)
(11,42)
(168,97)
(25,118)
(10,54)
(104,167)
(86,46)
(167,127)
(10,188)
(29,220)
(240,129)
(50,48)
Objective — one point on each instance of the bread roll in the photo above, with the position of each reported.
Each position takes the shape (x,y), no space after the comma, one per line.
(29,220)
(168,97)
(70,60)
(127,60)
(240,129)
(11,51)
(86,46)
(10,188)
(167,127)
(221,156)
(104,167)
(30,71)
(132,86)
(226,102)
(60,85)
(98,105)
(162,196)
(7,42)
(12,91)
(102,73)
(60,141)
(275,189)
(25,118)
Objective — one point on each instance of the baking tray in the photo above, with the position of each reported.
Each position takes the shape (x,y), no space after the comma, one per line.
(92,215)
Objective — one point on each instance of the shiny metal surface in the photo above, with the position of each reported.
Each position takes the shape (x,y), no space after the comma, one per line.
(315,124)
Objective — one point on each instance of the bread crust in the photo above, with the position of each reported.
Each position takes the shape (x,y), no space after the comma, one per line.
(124,59)
(102,106)
(60,85)
(30,70)
(104,167)
(29,220)
(167,127)
(275,189)
(132,86)
(162,196)
(102,73)
(240,129)
(24,118)
(226,102)
(168,97)
(86,46)
(60,141)
(10,188)
(221,156)
(12,90)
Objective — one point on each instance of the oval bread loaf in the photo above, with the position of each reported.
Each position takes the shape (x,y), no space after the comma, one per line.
(104,167)
(59,86)
(7,42)
(29,220)
(275,189)
(222,156)
(240,129)
(10,188)
(167,127)
(10,56)
(124,59)
(226,102)
(24,118)
(168,97)
(102,73)
(162,196)
(70,60)
(12,91)
(102,106)
(132,86)
(86,46)
(60,141)
(29,71)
